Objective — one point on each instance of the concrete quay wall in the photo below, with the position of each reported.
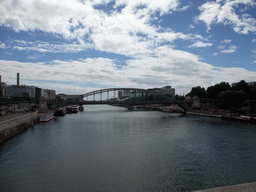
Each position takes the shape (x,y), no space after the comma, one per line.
(206,114)
(13,126)
(247,187)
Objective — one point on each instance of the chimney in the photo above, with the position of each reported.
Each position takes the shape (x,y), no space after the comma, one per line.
(18,79)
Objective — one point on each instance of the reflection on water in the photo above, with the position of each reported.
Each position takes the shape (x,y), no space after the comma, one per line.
(106,148)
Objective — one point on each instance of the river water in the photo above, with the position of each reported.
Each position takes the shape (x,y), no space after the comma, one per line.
(107,148)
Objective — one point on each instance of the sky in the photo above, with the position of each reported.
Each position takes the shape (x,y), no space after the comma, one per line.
(78,46)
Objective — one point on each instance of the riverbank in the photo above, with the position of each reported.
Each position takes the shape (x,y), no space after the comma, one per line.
(206,113)
(14,123)
(247,187)
(177,109)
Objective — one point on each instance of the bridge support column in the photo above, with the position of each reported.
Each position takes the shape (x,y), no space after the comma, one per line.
(115,94)
(94,97)
(108,94)
(101,95)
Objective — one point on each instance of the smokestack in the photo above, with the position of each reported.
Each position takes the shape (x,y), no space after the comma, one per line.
(18,79)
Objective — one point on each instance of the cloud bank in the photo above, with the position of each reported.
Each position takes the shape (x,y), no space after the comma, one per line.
(127,28)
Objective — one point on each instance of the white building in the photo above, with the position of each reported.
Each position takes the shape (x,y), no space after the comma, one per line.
(49,94)
(164,91)
(168,90)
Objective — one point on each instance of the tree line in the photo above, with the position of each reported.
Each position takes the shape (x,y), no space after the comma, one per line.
(229,96)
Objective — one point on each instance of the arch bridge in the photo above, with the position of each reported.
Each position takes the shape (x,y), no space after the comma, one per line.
(138,98)
(137,93)
(101,91)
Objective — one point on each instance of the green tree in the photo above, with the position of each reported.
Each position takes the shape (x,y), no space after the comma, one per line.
(253,89)
(197,91)
(214,91)
(243,86)
(232,99)
(179,97)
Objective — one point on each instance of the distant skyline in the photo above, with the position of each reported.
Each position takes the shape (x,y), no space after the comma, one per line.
(78,46)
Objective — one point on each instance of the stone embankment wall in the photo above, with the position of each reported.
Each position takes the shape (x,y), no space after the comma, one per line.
(13,126)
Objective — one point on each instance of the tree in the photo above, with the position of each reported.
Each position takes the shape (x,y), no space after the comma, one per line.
(232,98)
(179,97)
(213,91)
(197,91)
(253,89)
(243,86)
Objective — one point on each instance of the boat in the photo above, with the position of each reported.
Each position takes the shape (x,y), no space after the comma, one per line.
(241,118)
(72,109)
(81,108)
(46,117)
(60,112)
(136,108)
(167,110)
(75,109)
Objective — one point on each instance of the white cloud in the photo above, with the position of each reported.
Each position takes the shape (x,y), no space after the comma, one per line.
(226,41)
(164,6)
(184,8)
(191,27)
(209,11)
(180,69)
(2,46)
(128,32)
(34,56)
(254,40)
(221,47)
(216,12)
(45,47)
(231,49)
(201,44)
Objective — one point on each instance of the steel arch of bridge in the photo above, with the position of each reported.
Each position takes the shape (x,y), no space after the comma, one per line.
(112,89)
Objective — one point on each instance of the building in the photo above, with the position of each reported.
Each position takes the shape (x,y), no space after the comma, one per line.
(2,88)
(38,92)
(126,92)
(65,97)
(252,83)
(136,94)
(166,91)
(20,91)
(49,94)
(249,84)
(120,94)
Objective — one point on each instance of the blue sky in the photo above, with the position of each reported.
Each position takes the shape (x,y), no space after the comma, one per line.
(77,46)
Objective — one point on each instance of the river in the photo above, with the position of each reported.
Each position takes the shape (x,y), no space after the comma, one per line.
(107,148)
